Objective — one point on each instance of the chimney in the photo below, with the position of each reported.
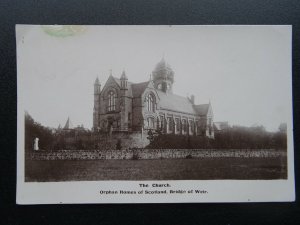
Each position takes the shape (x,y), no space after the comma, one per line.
(192,99)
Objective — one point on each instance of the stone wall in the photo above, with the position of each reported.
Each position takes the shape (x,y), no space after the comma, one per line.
(153,154)
(128,140)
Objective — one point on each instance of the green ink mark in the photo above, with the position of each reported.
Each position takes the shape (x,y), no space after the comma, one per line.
(63,30)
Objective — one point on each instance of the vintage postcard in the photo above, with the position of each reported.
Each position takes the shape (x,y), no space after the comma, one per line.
(154,114)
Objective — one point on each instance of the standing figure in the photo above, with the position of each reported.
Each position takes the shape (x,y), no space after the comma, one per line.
(36,144)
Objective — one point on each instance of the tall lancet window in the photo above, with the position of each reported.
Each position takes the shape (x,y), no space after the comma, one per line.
(150,103)
(111,101)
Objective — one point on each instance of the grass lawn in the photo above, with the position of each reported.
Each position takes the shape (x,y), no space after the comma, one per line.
(158,169)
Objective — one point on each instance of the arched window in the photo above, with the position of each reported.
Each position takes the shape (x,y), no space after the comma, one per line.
(150,123)
(150,103)
(191,126)
(170,124)
(177,125)
(111,101)
(161,119)
(184,125)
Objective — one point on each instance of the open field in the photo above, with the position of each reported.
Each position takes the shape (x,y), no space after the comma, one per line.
(157,169)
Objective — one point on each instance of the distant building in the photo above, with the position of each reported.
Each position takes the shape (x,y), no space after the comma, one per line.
(68,125)
(221,126)
(124,106)
(71,130)
(282,128)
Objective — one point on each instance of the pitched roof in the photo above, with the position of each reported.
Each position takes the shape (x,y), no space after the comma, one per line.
(139,88)
(129,84)
(221,125)
(118,81)
(174,102)
(68,125)
(202,109)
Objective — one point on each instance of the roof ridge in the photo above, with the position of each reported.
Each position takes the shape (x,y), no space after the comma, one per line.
(169,93)
(202,104)
(142,82)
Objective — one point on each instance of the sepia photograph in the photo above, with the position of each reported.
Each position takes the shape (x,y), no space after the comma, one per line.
(185,104)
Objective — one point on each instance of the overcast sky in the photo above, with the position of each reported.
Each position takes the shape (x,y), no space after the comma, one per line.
(245,71)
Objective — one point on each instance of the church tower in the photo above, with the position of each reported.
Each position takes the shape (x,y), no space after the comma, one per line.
(97,92)
(163,77)
(124,102)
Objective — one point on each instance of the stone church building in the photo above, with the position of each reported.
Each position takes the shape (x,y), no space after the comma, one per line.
(123,106)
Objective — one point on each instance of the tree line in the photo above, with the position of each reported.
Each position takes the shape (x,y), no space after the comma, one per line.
(34,129)
(236,137)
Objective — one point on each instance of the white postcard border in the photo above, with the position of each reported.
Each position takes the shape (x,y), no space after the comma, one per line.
(89,191)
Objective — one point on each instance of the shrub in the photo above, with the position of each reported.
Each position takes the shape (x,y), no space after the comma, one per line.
(188,157)
(119,145)
(135,157)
